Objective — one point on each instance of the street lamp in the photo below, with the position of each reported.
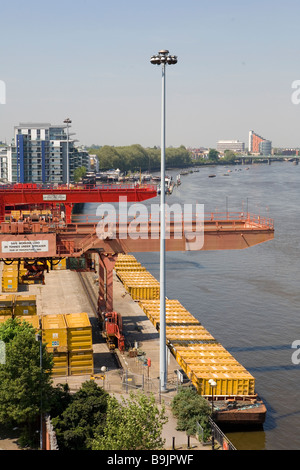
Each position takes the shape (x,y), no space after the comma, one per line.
(38,337)
(68,121)
(163,58)
(213,385)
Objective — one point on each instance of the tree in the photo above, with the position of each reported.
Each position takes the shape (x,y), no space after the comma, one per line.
(133,424)
(22,383)
(213,155)
(85,416)
(189,407)
(79,172)
(229,155)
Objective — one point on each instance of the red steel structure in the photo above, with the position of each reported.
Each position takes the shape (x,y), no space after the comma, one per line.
(41,240)
(33,194)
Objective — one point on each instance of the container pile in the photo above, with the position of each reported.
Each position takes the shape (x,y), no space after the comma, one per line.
(18,305)
(139,283)
(196,351)
(68,337)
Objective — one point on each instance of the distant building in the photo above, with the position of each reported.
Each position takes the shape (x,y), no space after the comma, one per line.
(265,147)
(5,163)
(234,145)
(39,154)
(198,152)
(254,144)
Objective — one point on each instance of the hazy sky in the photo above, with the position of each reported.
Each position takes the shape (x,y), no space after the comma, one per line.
(89,60)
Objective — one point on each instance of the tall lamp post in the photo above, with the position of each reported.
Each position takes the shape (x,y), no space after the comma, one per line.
(68,121)
(213,385)
(163,58)
(38,338)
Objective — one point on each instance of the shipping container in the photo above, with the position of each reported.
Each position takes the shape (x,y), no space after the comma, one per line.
(81,362)
(188,333)
(79,331)
(54,332)
(25,305)
(10,282)
(240,383)
(7,305)
(60,364)
(32,320)
(10,268)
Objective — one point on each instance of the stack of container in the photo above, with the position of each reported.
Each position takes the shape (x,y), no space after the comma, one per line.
(10,278)
(128,263)
(140,285)
(80,346)
(54,334)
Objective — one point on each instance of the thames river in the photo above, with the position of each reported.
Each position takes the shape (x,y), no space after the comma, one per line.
(249,300)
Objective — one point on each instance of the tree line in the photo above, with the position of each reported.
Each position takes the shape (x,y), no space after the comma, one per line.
(135,157)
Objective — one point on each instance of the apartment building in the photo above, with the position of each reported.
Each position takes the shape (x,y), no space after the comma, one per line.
(258,144)
(41,151)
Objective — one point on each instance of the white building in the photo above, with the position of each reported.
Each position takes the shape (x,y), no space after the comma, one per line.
(234,145)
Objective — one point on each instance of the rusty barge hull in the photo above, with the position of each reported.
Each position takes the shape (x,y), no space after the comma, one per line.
(246,415)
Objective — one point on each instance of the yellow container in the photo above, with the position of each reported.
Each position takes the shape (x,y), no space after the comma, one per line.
(32,320)
(211,365)
(10,268)
(122,257)
(25,305)
(10,282)
(228,384)
(79,331)
(188,333)
(60,364)
(81,362)
(59,265)
(144,292)
(54,332)
(121,269)
(6,305)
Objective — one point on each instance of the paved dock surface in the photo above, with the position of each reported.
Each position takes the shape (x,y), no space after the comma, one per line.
(63,293)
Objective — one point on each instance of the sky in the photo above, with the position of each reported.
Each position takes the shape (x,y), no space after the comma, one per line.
(89,60)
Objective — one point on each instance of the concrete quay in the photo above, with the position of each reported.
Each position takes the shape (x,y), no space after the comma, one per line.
(63,293)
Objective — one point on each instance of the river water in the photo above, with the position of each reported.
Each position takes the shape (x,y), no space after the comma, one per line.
(249,300)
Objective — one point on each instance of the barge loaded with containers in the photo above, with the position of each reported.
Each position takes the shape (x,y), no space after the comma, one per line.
(199,355)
